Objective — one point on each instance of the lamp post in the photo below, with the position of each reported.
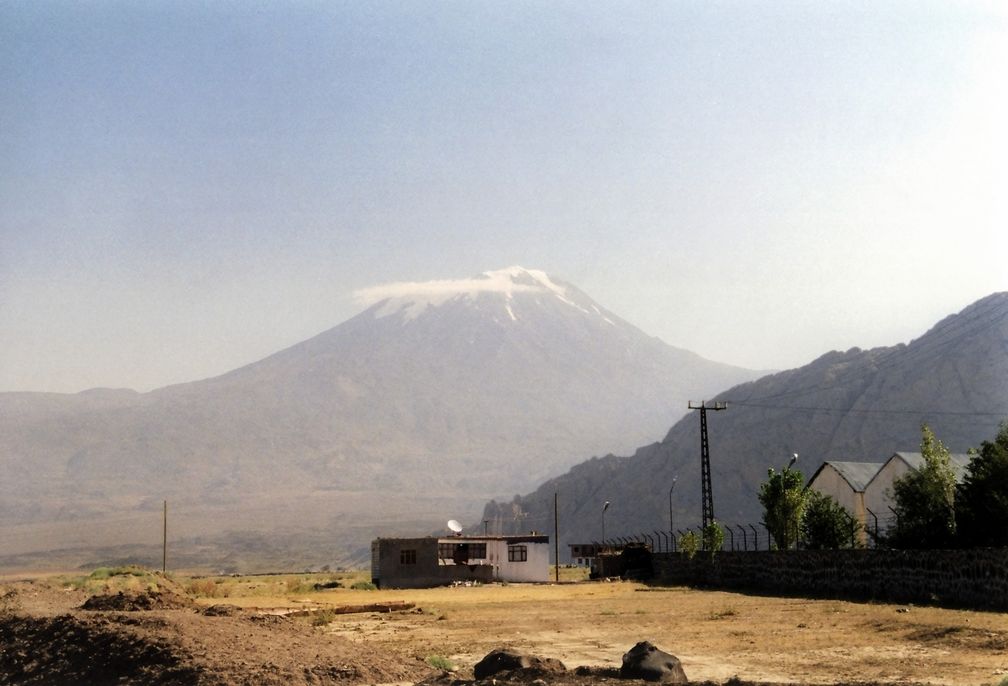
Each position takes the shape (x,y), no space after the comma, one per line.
(794,458)
(604,508)
(672,488)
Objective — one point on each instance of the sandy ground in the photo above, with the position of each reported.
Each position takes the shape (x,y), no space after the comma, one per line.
(716,635)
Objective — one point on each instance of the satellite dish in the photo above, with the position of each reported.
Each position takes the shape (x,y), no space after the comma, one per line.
(454,526)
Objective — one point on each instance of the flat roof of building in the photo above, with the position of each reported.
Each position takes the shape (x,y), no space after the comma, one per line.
(461,538)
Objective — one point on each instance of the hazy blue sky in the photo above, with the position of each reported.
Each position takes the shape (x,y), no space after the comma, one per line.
(186,187)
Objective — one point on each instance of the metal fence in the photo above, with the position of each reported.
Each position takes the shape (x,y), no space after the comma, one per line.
(745,537)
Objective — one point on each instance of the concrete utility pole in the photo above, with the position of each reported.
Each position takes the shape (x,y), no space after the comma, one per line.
(672,488)
(707,497)
(604,508)
(556,533)
(164,541)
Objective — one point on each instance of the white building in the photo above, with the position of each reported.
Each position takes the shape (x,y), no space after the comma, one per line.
(846,483)
(432,561)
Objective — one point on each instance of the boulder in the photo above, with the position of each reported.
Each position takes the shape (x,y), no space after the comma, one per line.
(645,661)
(507,660)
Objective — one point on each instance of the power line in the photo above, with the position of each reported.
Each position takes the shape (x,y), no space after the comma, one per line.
(834,410)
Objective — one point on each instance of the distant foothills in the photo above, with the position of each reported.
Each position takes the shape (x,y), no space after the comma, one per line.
(439,397)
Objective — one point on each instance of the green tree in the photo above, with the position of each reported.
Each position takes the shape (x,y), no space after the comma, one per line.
(783,497)
(827,524)
(689,543)
(981,499)
(713,537)
(925,499)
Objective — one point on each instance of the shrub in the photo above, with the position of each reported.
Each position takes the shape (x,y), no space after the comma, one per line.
(827,525)
(363,586)
(689,543)
(323,617)
(713,538)
(723,614)
(440,662)
(204,588)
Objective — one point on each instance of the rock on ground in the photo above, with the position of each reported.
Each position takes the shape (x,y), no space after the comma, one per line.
(645,661)
(507,660)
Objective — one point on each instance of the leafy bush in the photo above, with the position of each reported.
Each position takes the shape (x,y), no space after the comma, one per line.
(363,586)
(440,662)
(827,524)
(713,537)
(689,543)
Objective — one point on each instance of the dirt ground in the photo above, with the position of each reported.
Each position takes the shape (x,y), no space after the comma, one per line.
(282,630)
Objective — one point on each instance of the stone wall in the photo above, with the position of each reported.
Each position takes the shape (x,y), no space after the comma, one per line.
(975,578)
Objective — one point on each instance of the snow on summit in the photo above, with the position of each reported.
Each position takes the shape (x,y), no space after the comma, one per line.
(411,298)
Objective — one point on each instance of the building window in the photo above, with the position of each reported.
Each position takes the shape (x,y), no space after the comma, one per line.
(517,553)
(407,557)
(462,551)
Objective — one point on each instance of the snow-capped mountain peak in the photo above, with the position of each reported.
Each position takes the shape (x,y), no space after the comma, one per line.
(409,299)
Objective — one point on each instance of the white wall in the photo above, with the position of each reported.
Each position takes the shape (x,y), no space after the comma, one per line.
(535,568)
(878,492)
(829,482)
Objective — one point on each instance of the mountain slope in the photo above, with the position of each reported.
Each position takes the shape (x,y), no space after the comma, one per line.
(446,391)
(854,405)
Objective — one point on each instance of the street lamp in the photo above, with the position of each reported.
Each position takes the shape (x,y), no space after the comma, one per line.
(794,458)
(604,508)
(674,479)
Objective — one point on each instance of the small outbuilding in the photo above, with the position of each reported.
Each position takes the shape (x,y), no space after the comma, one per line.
(846,482)
(439,561)
(583,554)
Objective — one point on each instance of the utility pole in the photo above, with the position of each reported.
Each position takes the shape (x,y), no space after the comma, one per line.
(707,497)
(672,488)
(164,541)
(556,533)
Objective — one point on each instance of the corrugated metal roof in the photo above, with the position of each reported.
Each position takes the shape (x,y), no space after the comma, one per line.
(958,460)
(857,474)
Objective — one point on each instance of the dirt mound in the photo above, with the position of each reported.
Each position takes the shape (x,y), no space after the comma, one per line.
(136,601)
(222,610)
(168,647)
(69,649)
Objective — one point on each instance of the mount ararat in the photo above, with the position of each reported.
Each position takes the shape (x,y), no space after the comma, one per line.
(435,398)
